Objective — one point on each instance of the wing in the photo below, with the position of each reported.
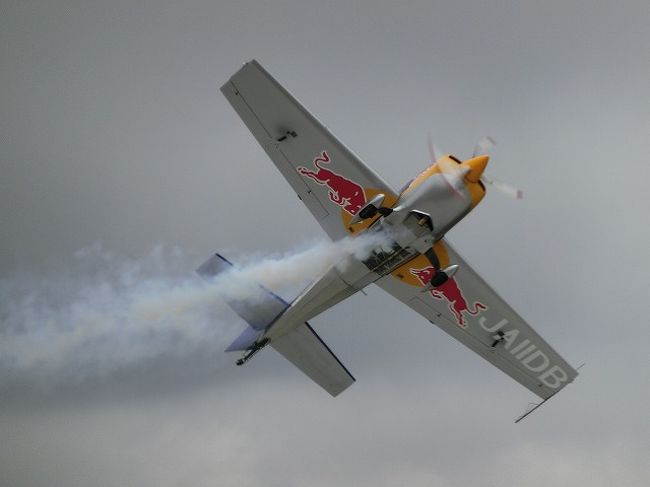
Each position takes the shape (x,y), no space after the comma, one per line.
(330,180)
(468,309)
(305,349)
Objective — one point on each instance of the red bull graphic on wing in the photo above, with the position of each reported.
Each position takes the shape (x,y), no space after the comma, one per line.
(342,191)
(450,292)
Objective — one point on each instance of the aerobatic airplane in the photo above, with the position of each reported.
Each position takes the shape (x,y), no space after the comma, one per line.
(418,267)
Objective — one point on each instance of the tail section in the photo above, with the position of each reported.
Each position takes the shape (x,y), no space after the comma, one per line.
(299,344)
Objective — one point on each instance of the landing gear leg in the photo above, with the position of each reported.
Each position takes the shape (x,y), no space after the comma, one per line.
(442,275)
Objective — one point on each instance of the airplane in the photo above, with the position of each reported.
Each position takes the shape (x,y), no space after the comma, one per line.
(418,266)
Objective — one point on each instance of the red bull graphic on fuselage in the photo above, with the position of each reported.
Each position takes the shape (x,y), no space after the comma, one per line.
(450,292)
(342,191)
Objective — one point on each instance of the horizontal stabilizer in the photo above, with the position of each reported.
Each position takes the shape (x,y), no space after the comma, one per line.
(305,349)
(245,341)
(260,308)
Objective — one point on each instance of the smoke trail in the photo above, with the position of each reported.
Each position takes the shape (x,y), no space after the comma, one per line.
(106,313)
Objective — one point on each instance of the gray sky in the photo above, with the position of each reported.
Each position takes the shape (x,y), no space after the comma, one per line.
(113,130)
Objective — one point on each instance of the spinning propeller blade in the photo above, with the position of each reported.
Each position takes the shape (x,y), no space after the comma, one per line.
(504,188)
(453,174)
(483,146)
(447,168)
(434,152)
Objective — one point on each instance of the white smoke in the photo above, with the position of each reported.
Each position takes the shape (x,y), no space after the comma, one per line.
(104,313)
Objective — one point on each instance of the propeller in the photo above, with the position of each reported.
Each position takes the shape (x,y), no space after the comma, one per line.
(483,145)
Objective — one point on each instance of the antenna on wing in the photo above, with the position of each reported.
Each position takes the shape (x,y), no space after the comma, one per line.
(532,406)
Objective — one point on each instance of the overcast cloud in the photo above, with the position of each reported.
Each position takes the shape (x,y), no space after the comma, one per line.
(114,133)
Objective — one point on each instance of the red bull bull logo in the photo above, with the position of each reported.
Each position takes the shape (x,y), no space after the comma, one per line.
(342,191)
(450,292)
